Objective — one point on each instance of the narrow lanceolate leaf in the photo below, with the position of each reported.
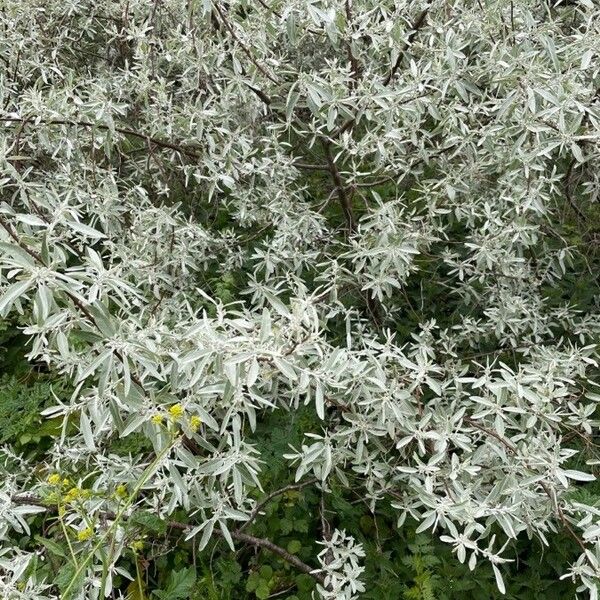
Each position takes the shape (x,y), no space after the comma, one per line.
(86,230)
(13,293)
(86,430)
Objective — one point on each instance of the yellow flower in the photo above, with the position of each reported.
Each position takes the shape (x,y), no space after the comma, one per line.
(62,511)
(176,411)
(73,494)
(66,481)
(54,479)
(121,491)
(157,419)
(137,545)
(195,422)
(85,534)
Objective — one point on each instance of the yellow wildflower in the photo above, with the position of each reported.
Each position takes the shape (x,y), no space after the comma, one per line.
(195,422)
(157,419)
(85,534)
(176,411)
(54,479)
(121,491)
(73,494)
(137,545)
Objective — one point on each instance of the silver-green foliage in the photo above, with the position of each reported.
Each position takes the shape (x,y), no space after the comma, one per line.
(316,150)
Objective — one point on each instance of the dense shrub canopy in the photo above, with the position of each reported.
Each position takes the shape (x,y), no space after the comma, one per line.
(375,221)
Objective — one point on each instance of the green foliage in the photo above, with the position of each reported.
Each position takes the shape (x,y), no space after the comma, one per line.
(134,443)
(148,522)
(178,585)
(21,401)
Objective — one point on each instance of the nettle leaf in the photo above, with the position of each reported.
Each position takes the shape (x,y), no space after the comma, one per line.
(178,586)
(149,522)
(52,546)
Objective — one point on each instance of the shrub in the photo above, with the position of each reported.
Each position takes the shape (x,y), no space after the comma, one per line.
(321,277)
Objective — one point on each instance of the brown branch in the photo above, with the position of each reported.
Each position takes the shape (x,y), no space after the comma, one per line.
(259,543)
(261,95)
(569,194)
(265,5)
(142,136)
(309,167)
(415,27)
(19,243)
(244,48)
(325,529)
(509,445)
(351,58)
(341,188)
(236,535)
(567,525)
(368,184)
(347,125)
(279,551)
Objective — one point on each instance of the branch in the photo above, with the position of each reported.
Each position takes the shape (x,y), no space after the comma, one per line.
(351,58)
(269,545)
(265,5)
(149,139)
(415,27)
(309,167)
(261,95)
(19,243)
(236,535)
(509,445)
(247,52)
(569,194)
(341,189)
